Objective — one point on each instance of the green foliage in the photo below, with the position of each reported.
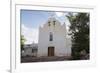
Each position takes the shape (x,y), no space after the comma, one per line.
(22,42)
(79,31)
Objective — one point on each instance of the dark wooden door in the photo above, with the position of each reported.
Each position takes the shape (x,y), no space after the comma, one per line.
(50,51)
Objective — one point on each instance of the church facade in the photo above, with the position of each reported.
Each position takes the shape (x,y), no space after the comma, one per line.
(53,39)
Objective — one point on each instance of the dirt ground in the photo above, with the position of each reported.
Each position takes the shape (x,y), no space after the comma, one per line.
(43,59)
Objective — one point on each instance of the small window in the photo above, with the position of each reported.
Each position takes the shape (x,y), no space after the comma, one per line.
(32,50)
(51,37)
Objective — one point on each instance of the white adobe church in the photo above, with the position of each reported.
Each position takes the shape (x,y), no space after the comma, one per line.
(53,40)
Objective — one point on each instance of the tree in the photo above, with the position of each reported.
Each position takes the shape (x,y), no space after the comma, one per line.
(79,31)
(22,42)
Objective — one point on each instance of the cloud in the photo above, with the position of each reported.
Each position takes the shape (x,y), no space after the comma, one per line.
(30,34)
(59,14)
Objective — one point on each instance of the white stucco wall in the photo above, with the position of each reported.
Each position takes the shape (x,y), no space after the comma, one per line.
(62,46)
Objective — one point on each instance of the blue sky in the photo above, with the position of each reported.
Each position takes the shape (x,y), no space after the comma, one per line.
(31,20)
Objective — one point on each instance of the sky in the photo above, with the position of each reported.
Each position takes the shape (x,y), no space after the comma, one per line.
(32,19)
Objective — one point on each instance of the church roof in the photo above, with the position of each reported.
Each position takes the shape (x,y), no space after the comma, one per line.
(53,18)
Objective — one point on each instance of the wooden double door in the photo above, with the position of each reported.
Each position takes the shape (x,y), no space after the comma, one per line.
(50,51)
